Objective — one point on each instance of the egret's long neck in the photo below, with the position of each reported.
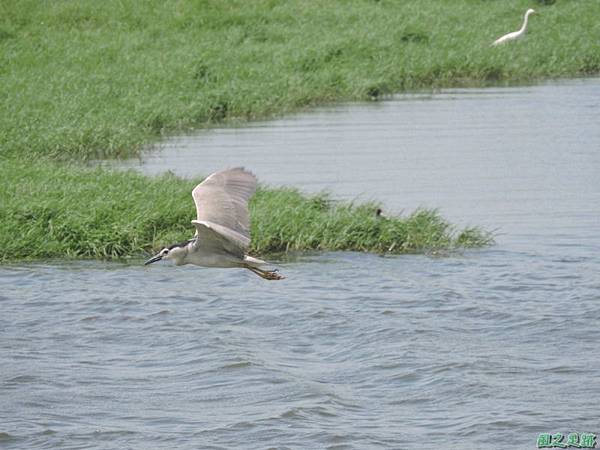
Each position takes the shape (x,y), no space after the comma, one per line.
(524,27)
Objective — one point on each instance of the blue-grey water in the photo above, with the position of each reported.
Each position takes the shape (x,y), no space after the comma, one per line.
(473,350)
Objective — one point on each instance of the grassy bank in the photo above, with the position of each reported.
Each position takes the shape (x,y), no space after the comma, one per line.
(54,210)
(82,79)
(86,79)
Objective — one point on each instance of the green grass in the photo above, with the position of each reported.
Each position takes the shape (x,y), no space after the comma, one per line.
(86,79)
(57,210)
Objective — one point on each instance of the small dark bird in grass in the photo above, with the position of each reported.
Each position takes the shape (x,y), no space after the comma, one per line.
(379,214)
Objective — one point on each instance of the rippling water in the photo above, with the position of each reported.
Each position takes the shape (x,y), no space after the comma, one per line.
(481,349)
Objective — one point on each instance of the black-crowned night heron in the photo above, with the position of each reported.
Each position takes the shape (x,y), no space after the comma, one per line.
(222,226)
(515,34)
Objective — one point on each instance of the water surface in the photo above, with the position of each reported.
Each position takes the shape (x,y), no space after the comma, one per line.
(480,349)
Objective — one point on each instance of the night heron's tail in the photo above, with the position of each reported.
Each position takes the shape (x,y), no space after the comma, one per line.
(253,262)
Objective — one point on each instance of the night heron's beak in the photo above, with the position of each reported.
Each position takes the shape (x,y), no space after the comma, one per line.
(153,259)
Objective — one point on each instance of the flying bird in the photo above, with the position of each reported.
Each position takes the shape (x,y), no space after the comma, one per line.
(222,226)
(515,34)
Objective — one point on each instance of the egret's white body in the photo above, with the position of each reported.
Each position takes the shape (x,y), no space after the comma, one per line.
(222,225)
(515,34)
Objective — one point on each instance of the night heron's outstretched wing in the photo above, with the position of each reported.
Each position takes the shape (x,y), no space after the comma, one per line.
(214,238)
(222,207)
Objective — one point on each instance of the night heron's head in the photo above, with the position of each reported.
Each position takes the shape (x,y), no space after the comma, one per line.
(176,253)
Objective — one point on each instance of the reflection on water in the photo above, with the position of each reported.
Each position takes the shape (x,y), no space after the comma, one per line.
(484,349)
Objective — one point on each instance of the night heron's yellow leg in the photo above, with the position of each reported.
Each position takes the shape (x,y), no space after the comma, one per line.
(266,274)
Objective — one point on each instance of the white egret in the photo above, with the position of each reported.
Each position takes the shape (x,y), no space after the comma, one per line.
(515,34)
(222,226)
